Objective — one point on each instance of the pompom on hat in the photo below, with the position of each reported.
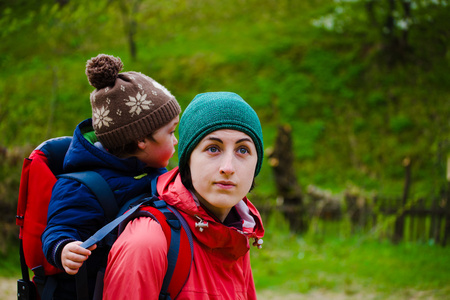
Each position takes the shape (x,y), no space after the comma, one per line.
(209,112)
(126,106)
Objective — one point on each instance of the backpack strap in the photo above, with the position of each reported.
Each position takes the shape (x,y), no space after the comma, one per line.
(178,235)
(179,238)
(102,191)
(99,187)
(25,288)
(153,184)
(170,289)
(105,230)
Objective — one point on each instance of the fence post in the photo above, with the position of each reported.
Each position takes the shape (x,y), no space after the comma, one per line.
(400,221)
(435,226)
(446,209)
(447,206)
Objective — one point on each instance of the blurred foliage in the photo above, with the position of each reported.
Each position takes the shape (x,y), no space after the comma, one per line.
(363,84)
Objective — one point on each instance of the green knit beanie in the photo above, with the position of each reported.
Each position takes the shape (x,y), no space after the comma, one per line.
(209,112)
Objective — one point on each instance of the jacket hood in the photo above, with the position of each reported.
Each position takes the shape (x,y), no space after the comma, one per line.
(216,236)
(82,154)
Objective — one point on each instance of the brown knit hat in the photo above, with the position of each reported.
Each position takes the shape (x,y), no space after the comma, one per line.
(126,106)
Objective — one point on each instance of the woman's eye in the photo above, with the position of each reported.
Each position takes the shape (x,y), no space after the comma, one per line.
(243,150)
(213,149)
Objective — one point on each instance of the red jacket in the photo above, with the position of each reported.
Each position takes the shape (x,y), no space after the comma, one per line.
(221,267)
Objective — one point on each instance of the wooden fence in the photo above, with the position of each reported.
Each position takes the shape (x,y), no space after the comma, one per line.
(418,220)
(402,219)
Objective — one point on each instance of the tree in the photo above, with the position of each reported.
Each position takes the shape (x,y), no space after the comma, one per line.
(289,190)
(128,10)
(402,30)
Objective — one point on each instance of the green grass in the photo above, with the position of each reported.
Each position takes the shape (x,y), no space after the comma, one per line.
(352,265)
(10,261)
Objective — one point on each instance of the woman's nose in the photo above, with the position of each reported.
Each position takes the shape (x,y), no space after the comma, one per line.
(227,164)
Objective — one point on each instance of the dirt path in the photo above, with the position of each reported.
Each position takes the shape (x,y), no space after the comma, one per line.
(8,289)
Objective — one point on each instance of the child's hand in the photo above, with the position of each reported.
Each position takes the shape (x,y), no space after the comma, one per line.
(73,256)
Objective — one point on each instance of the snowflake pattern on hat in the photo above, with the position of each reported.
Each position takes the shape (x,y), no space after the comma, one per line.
(100,117)
(138,103)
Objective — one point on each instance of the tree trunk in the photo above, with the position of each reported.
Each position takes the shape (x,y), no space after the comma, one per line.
(282,162)
(131,41)
(128,11)
(371,13)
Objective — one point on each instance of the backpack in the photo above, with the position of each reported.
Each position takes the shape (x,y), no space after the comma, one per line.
(39,173)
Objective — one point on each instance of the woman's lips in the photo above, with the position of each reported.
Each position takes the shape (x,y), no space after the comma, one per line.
(225,184)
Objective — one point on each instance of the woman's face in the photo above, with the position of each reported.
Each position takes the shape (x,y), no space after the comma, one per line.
(222,169)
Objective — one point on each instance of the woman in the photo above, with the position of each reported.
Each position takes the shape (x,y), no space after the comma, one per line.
(220,153)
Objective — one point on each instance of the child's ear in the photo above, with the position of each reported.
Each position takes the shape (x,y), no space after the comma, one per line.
(142,144)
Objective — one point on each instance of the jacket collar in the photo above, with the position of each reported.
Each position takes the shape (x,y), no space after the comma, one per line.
(82,154)
(216,236)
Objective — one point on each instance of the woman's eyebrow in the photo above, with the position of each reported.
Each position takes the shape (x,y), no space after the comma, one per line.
(237,142)
(244,140)
(215,139)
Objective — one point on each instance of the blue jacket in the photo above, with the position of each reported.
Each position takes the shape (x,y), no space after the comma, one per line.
(74,213)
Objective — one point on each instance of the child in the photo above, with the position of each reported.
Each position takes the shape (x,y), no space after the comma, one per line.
(220,152)
(128,141)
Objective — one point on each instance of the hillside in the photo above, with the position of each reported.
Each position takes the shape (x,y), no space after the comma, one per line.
(360,96)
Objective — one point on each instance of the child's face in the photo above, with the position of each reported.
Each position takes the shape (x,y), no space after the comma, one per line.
(157,152)
(222,169)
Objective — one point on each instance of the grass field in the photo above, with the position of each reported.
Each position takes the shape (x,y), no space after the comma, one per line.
(356,265)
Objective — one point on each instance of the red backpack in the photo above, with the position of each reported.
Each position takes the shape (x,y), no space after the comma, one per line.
(39,173)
